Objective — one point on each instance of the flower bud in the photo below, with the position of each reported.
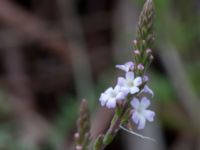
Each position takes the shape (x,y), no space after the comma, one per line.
(148,51)
(136,52)
(140,67)
(143,42)
(79,147)
(151,57)
(76,135)
(135,42)
(145,78)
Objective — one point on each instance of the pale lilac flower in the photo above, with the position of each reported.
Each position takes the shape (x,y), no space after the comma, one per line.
(141,113)
(130,84)
(147,90)
(110,97)
(129,66)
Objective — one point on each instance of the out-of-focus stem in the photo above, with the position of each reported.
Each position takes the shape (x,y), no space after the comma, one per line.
(83,124)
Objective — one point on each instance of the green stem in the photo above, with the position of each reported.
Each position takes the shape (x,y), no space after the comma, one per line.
(114,127)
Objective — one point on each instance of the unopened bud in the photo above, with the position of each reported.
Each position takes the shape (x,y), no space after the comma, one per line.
(148,51)
(135,42)
(140,67)
(76,135)
(143,42)
(79,147)
(136,52)
(145,78)
(151,57)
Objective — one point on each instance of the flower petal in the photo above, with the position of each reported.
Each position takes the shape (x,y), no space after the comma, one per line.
(122,67)
(129,65)
(148,90)
(121,81)
(126,67)
(134,90)
(149,115)
(109,90)
(103,99)
(142,122)
(130,75)
(120,96)
(135,103)
(145,102)
(111,103)
(117,88)
(138,81)
(135,117)
(103,103)
(125,90)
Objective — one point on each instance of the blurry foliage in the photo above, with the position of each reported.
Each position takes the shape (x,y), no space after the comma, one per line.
(193,72)
(68,113)
(64,121)
(8,126)
(163,89)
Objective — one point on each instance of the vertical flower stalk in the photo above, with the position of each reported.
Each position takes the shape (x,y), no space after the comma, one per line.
(83,124)
(144,38)
(129,96)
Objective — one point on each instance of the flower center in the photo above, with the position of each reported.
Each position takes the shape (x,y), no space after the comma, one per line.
(130,83)
(140,110)
(113,94)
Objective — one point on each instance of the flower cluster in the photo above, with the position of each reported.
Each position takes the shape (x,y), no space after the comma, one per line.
(133,86)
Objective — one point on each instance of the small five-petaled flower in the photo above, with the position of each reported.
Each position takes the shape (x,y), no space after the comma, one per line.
(134,86)
(110,97)
(141,113)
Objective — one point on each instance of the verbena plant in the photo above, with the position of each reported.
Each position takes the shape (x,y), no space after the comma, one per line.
(129,96)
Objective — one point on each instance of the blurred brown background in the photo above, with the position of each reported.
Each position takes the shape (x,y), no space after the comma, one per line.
(53,53)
